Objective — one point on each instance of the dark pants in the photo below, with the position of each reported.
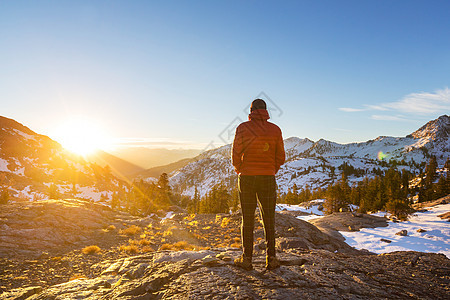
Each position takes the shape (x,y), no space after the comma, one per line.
(263,188)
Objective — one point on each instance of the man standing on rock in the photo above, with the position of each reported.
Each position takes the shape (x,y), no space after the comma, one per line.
(258,153)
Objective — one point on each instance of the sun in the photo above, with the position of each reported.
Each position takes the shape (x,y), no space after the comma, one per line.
(82,136)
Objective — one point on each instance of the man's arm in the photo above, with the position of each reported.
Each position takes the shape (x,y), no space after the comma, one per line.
(236,153)
(280,155)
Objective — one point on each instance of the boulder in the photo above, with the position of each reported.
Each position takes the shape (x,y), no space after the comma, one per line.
(31,228)
(445,216)
(309,236)
(347,221)
(402,233)
(285,243)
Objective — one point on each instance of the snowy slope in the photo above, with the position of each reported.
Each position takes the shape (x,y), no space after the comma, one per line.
(435,239)
(316,163)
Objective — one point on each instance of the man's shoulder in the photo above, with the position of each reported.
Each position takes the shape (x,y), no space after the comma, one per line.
(251,124)
(243,124)
(274,126)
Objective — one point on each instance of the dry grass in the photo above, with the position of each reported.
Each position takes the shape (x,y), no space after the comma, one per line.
(131,249)
(91,250)
(190,217)
(146,249)
(137,246)
(130,231)
(111,228)
(181,245)
(144,242)
(133,242)
(167,233)
(225,222)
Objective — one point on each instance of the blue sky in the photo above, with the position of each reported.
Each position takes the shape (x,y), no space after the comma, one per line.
(180,73)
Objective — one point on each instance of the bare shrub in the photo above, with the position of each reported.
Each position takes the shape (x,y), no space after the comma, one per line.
(130,231)
(91,250)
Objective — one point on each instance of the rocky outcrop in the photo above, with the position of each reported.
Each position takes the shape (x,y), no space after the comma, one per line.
(41,242)
(443,200)
(347,221)
(53,226)
(293,231)
(317,274)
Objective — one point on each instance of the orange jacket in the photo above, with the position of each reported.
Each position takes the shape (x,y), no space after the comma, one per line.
(258,147)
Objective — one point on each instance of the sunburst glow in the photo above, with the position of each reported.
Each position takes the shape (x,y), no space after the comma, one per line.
(82,136)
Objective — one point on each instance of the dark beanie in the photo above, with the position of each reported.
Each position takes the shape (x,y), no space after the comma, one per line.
(258,104)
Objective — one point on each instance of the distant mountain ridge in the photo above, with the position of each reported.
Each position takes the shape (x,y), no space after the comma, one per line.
(148,158)
(119,167)
(157,171)
(316,164)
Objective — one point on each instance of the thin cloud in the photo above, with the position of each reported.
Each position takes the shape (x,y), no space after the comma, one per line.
(376,107)
(349,109)
(387,118)
(423,103)
(414,103)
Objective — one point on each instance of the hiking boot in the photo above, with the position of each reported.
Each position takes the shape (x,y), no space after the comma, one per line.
(272,263)
(244,263)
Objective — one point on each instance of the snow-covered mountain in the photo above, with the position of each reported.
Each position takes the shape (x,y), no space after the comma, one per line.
(316,164)
(30,163)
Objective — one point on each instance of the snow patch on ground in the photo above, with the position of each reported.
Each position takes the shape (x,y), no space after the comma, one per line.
(311,207)
(309,217)
(91,193)
(4,165)
(169,215)
(436,239)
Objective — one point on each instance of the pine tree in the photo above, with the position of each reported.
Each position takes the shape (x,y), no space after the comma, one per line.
(447,164)
(53,192)
(235,202)
(193,207)
(163,182)
(441,187)
(430,171)
(291,197)
(164,195)
(115,201)
(392,183)
(337,196)
(305,195)
(399,208)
